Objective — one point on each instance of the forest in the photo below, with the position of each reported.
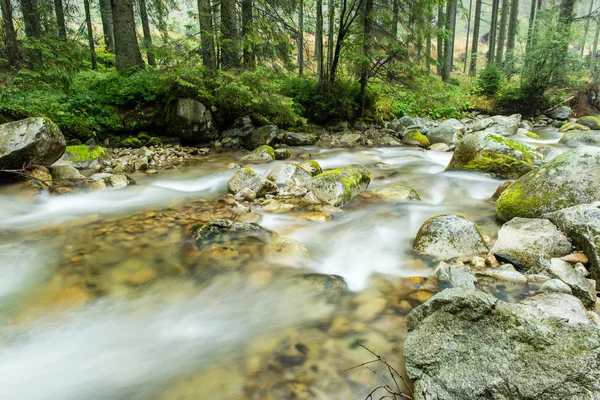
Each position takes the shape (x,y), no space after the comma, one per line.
(112,69)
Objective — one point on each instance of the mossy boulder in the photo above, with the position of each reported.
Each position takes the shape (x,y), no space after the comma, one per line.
(573,126)
(31,141)
(337,187)
(265,135)
(246,178)
(103,181)
(416,138)
(570,179)
(286,171)
(533,135)
(298,139)
(495,155)
(590,122)
(580,138)
(223,232)
(448,236)
(396,192)
(191,121)
(561,113)
(83,156)
(282,154)
(312,167)
(447,134)
(262,154)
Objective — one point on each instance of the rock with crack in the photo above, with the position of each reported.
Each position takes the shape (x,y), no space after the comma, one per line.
(246,178)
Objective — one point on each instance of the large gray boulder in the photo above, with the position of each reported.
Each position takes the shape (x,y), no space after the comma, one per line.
(66,175)
(526,239)
(468,345)
(570,179)
(337,187)
(192,121)
(580,138)
(246,178)
(28,142)
(561,113)
(265,135)
(298,139)
(582,224)
(262,154)
(498,124)
(286,171)
(238,133)
(582,288)
(495,155)
(447,134)
(449,236)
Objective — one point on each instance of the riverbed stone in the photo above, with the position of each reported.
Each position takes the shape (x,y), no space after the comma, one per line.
(298,139)
(282,154)
(454,275)
(561,113)
(225,233)
(102,181)
(500,125)
(582,288)
(192,121)
(286,171)
(449,236)
(444,133)
(526,239)
(265,135)
(582,224)
(555,286)
(247,178)
(570,179)
(29,142)
(337,187)
(235,135)
(590,122)
(573,126)
(464,344)
(66,175)
(83,157)
(495,155)
(262,154)
(395,192)
(580,138)
(312,167)
(416,138)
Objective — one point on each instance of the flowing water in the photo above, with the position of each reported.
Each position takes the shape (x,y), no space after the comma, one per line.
(104,296)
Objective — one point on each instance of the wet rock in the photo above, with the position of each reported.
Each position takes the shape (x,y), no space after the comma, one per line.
(549,153)
(104,181)
(561,113)
(298,139)
(590,122)
(573,126)
(312,167)
(582,288)
(379,138)
(501,189)
(193,121)
(282,154)
(498,124)
(526,239)
(238,133)
(455,275)
(246,194)
(284,172)
(287,251)
(416,138)
(441,147)
(495,155)
(575,258)
(66,175)
(580,138)
(265,135)
(464,344)
(246,178)
(555,286)
(570,179)
(350,138)
(31,141)
(448,236)
(508,275)
(444,134)
(396,192)
(83,157)
(226,233)
(327,283)
(337,187)
(261,154)
(338,125)
(582,225)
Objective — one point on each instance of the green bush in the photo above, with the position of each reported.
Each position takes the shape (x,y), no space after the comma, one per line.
(489,81)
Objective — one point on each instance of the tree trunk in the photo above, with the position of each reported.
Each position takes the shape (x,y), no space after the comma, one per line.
(60,19)
(162,14)
(330,27)
(531,27)
(300,37)
(428,53)
(439,41)
(31,18)
(502,33)
(10,36)
(396,17)
(108,27)
(247,21)
(367,38)
(319,41)
(493,30)
(229,43)
(586,29)
(88,22)
(147,33)
(127,49)
(206,34)
(449,42)
(468,32)
(512,37)
(595,48)
(475,43)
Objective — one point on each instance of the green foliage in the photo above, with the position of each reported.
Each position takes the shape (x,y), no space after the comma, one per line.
(489,81)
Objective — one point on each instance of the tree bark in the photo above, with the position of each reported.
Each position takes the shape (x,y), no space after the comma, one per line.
(595,48)
(60,19)
(493,31)
(586,29)
(366,64)
(531,27)
(475,43)
(162,14)
(147,33)
(247,21)
(31,18)
(229,34)
(319,41)
(428,53)
(330,27)
(206,34)
(300,37)
(440,40)
(395,17)
(512,37)
(451,8)
(468,32)
(88,21)
(108,27)
(127,49)
(502,33)
(10,35)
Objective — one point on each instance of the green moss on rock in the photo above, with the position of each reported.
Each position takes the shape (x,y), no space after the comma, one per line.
(337,187)
(590,122)
(416,138)
(82,153)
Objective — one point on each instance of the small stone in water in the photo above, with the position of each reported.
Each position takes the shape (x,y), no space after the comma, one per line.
(575,258)
(579,267)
